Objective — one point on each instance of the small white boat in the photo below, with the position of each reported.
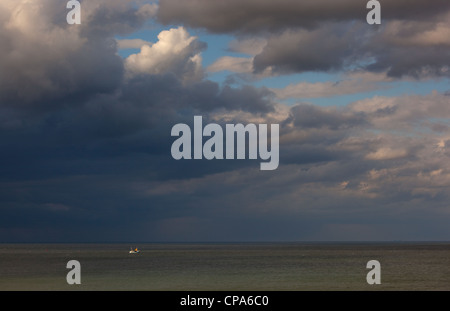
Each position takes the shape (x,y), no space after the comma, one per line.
(134,251)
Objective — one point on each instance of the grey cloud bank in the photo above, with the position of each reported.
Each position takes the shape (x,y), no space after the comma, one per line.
(85,135)
(230,148)
(257,16)
(413,39)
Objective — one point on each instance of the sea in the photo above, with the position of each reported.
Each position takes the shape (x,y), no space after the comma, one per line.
(327,266)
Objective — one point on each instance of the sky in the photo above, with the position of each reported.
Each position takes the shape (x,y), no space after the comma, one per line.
(86,113)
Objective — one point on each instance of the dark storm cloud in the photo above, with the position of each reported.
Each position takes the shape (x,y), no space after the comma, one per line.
(135,119)
(77,133)
(202,97)
(256,16)
(86,142)
(301,50)
(354,45)
(423,60)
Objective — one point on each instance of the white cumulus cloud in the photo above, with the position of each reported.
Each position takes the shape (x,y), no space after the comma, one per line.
(175,52)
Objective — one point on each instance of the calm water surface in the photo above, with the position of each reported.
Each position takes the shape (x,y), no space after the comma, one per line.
(256,266)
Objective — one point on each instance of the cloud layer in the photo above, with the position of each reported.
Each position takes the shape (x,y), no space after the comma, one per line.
(257,16)
(295,32)
(85,133)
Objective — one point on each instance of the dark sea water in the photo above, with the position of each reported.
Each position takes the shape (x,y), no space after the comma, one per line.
(223,266)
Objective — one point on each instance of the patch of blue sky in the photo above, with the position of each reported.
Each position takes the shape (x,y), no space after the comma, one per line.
(218,46)
(419,87)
